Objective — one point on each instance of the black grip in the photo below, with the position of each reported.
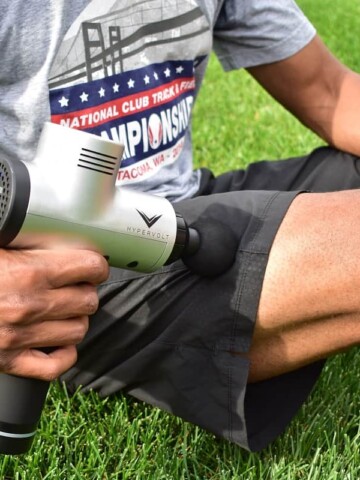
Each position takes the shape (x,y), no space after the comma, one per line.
(21,403)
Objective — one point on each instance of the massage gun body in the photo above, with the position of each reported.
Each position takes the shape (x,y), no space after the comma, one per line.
(72,191)
(120,232)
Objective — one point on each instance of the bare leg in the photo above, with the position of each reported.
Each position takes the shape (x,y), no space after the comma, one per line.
(310,302)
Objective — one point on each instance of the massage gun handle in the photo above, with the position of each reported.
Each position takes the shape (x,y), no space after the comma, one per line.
(21,403)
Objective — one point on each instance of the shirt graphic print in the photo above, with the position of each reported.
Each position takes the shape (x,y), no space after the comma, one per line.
(125,71)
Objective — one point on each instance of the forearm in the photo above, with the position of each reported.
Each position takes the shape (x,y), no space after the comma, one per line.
(320,91)
(345,128)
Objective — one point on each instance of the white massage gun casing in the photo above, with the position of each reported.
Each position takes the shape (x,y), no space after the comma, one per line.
(73,192)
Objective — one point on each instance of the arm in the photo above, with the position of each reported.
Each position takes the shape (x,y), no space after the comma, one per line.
(320,91)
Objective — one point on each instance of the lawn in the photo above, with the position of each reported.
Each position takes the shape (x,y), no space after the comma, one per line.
(83,437)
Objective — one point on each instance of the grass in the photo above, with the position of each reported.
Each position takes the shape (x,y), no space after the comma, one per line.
(84,437)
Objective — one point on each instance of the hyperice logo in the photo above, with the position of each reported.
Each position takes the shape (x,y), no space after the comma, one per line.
(150,221)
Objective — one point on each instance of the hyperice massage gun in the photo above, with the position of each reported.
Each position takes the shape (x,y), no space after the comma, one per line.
(69,188)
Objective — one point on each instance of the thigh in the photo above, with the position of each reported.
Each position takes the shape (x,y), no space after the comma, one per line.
(310,306)
(314,263)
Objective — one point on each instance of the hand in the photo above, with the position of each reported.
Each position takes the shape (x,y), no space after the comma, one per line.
(47,292)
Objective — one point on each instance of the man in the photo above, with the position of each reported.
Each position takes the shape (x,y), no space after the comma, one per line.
(236,354)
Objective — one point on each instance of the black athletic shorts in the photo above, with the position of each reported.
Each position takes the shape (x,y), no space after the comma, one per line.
(168,338)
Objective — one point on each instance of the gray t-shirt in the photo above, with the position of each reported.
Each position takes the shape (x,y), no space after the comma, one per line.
(130,71)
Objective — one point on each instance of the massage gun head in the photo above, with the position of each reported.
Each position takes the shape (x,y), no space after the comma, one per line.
(14,199)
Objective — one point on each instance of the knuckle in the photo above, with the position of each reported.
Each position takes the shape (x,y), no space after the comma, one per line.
(20,307)
(91,302)
(80,331)
(9,338)
(93,262)
(98,266)
(6,362)
(33,275)
(28,273)
(55,369)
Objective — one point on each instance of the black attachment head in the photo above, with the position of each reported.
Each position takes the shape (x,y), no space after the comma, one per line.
(14,199)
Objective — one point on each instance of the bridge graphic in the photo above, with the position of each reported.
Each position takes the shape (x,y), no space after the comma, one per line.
(115,42)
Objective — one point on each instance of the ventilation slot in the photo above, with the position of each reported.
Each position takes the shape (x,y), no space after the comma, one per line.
(97,162)
(5,189)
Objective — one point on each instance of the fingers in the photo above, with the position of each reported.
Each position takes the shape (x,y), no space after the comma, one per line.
(46,297)
(20,352)
(79,266)
(27,307)
(44,366)
(55,269)
(47,334)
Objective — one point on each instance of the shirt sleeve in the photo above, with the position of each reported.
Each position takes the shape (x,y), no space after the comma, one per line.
(257,32)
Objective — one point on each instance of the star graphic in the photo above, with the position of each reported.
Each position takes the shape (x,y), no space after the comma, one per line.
(116,87)
(64,102)
(156,76)
(167,72)
(146,79)
(131,83)
(180,69)
(101,92)
(84,97)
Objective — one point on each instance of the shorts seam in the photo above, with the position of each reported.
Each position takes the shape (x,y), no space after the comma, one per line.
(257,228)
(263,216)
(245,272)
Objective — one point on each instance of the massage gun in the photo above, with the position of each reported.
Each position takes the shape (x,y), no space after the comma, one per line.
(69,189)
